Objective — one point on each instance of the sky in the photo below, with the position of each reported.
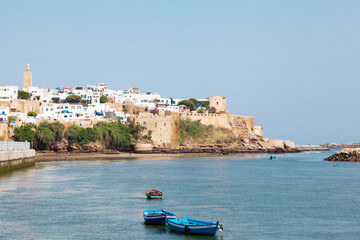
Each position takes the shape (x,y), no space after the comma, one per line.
(293,65)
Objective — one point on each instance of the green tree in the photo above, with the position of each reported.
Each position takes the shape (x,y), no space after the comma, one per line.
(32,114)
(103,99)
(113,135)
(81,136)
(58,129)
(24,95)
(24,133)
(189,104)
(44,136)
(73,98)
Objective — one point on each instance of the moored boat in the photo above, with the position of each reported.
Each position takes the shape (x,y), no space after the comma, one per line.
(191,226)
(157,216)
(153,193)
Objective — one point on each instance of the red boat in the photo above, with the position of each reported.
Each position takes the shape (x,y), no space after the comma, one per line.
(153,193)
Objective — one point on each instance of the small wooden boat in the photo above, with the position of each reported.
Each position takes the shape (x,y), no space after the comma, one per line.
(153,193)
(191,226)
(157,216)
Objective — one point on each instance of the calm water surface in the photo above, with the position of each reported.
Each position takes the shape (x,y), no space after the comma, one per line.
(299,196)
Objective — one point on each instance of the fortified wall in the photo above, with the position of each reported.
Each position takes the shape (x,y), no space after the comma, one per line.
(165,127)
(242,126)
(22,105)
(217,120)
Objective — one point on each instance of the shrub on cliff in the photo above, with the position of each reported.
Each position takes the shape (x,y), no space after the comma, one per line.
(113,135)
(44,137)
(193,129)
(136,129)
(24,133)
(79,135)
(47,133)
(58,129)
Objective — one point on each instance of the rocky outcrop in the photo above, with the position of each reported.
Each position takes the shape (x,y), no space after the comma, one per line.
(341,145)
(289,144)
(89,147)
(346,155)
(311,148)
(278,145)
(60,146)
(245,146)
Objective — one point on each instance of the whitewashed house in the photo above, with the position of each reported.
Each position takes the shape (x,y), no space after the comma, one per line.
(8,93)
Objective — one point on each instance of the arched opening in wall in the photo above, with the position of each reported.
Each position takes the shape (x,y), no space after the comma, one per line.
(156,124)
(144,123)
(217,103)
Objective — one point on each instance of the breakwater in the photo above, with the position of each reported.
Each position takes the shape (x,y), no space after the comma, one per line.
(15,155)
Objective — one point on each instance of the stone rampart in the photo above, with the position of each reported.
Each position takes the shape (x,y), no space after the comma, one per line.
(217,120)
(24,106)
(165,127)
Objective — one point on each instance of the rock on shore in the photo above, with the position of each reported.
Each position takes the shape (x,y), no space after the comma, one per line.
(246,146)
(346,155)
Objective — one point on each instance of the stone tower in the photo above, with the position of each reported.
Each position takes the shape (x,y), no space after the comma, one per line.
(27,77)
(218,102)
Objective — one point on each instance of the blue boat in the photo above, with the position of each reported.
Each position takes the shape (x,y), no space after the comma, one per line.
(157,216)
(191,226)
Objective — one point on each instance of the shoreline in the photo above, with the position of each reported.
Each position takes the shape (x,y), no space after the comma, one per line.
(58,157)
(94,156)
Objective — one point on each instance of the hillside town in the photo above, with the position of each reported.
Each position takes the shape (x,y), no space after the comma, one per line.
(160,117)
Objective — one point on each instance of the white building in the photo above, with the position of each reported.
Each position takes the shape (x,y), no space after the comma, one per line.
(8,93)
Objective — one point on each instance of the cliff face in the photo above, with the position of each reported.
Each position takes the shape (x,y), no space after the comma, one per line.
(346,155)
(196,137)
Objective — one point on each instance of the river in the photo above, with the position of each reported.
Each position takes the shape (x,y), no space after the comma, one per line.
(298,196)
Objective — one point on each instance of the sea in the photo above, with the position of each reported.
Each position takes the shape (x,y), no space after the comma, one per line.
(297,196)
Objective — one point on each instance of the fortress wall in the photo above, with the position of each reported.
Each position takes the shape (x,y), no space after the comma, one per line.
(22,105)
(165,128)
(247,121)
(217,120)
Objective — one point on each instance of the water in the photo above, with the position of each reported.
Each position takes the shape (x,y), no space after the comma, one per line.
(299,196)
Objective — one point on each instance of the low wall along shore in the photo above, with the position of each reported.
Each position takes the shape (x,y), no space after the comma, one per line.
(15,155)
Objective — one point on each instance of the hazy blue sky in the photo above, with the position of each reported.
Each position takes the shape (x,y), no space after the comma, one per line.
(294,65)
